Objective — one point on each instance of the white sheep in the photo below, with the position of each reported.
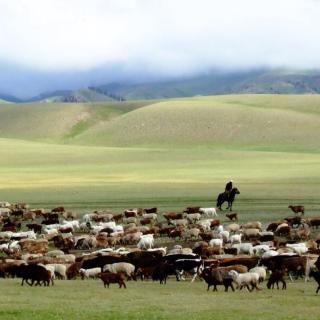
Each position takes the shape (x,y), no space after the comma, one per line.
(233,227)
(216,243)
(243,248)
(146,242)
(124,267)
(245,279)
(205,224)
(235,238)
(261,271)
(270,253)
(59,269)
(298,248)
(260,249)
(89,273)
(224,235)
(209,212)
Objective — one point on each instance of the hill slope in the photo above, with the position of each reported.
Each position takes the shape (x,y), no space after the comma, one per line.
(56,122)
(262,122)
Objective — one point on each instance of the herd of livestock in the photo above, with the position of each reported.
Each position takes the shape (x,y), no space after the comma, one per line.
(39,245)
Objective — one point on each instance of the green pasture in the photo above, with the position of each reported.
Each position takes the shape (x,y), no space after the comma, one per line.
(170,154)
(88,299)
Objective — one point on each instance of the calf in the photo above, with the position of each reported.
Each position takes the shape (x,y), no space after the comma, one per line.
(108,278)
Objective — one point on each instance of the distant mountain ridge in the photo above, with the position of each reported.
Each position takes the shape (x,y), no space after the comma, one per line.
(279,81)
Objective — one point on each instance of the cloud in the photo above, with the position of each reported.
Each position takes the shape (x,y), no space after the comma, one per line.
(164,36)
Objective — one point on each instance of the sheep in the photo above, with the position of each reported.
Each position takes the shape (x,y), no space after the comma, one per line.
(180,222)
(252,225)
(50,269)
(216,243)
(251,233)
(276,277)
(298,248)
(245,279)
(60,270)
(89,273)
(261,271)
(54,253)
(209,212)
(260,249)
(193,217)
(130,220)
(232,216)
(124,267)
(245,248)
(220,228)
(74,224)
(205,224)
(283,229)
(152,216)
(224,235)
(108,278)
(235,238)
(192,233)
(146,242)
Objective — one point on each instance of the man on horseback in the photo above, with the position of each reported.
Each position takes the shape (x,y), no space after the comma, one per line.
(228,195)
(228,187)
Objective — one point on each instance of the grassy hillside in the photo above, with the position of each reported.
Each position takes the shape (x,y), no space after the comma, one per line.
(170,154)
(54,122)
(259,122)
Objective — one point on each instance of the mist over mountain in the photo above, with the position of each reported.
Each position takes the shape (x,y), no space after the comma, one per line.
(120,87)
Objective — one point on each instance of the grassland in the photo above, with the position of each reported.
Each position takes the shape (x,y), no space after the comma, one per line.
(169,153)
(90,300)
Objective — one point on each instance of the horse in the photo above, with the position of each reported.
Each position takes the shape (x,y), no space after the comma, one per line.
(229,197)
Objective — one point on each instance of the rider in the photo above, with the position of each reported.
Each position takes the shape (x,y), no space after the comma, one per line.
(228,187)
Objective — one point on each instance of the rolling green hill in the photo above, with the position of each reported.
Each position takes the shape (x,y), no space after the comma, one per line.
(260,122)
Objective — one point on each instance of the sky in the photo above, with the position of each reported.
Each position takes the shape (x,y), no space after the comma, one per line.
(155,37)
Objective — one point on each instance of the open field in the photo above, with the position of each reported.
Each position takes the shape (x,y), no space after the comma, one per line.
(88,299)
(170,154)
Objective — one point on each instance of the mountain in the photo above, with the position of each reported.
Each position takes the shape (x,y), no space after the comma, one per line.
(81,95)
(6,98)
(259,81)
(276,81)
